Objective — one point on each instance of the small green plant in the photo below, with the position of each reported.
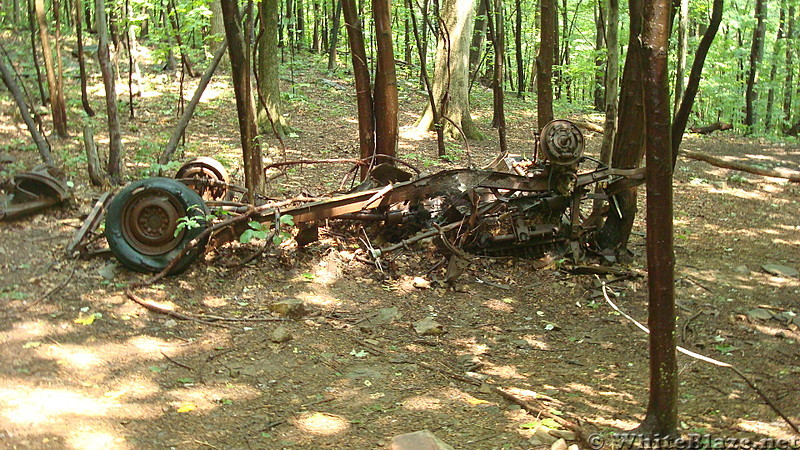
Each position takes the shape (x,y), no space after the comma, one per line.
(189,223)
(259,230)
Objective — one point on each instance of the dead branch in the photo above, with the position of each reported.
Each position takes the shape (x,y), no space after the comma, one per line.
(788,174)
(710,361)
(718,126)
(176,362)
(589,126)
(53,290)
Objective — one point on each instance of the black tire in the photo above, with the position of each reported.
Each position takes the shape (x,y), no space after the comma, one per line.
(142,219)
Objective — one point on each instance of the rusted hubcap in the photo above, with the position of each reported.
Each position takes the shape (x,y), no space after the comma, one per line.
(149,220)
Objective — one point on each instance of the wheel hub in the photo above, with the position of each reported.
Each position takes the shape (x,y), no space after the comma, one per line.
(150,220)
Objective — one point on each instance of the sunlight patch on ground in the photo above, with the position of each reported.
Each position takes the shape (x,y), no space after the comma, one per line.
(319,298)
(93,439)
(148,344)
(471,346)
(76,357)
(214,301)
(508,372)
(498,305)
(422,403)
(26,330)
(775,430)
(534,342)
(413,134)
(323,424)
(31,406)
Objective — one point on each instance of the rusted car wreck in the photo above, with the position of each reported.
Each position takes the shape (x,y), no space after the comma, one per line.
(525,208)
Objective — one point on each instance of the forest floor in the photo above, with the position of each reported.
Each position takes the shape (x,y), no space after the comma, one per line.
(87,368)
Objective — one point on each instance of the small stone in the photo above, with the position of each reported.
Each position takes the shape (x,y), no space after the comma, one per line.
(796,321)
(521,343)
(169,323)
(428,327)
(759,313)
(421,283)
(780,270)
(542,437)
(108,272)
(573,447)
(559,445)
(419,440)
(563,434)
(280,334)
(785,316)
(485,389)
(742,270)
(292,308)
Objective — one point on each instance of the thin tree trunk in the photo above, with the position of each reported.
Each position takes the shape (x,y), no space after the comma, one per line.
(315,44)
(789,86)
(81,60)
(495,19)
(682,116)
(19,98)
(32,26)
(176,30)
(180,128)
(59,66)
(56,95)
(612,79)
(386,104)
(662,410)
(601,69)
(92,158)
(544,63)
(478,35)
(358,54)
(518,49)
(773,72)
(683,44)
(267,65)
(114,168)
(334,40)
(301,24)
(756,55)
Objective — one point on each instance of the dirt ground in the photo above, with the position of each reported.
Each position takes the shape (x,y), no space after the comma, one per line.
(87,368)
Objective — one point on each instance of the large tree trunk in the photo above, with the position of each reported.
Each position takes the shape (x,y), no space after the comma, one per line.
(385,97)
(544,62)
(478,35)
(267,68)
(629,142)
(218,30)
(56,93)
(81,60)
(612,79)
(366,124)
(682,116)
(495,18)
(683,44)
(240,74)
(756,55)
(662,410)
(41,144)
(451,71)
(114,168)
(32,28)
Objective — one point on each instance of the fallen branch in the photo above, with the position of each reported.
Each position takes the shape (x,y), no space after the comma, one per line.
(176,362)
(718,126)
(593,127)
(710,361)
(53,290)
(788,174)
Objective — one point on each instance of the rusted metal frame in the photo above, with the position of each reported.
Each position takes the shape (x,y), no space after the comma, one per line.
(89,225)
(13,210)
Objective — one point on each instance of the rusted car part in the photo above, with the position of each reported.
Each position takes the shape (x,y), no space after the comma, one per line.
(215,179)
(87,233)
(536,208)
(34,191)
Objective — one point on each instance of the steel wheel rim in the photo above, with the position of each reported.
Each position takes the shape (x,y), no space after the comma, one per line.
(149,221)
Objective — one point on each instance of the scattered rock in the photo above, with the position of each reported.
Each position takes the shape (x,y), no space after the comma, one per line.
(573,447)
(780,270)
(542,437)
(796,321)
(419,440)
(744,270)
(786,316)
(428,327)
(281,334)
(521,343)
(291,307)
(421,283)
(169,323)
(385,316)
(485,389)
(559,445)
(363,372)
(563,434)
(108,272)
(759,314)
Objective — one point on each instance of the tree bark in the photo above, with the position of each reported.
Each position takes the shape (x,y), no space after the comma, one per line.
(19,98)
(267,69)
(114,168)
(544,63)
(180,128)
(240,74)
(662,410)
(81,60)
(386,105)
(334,40)
(366,125)
(773,72)
(217,31)
(92,158)
(518,49)
(756,55)
(788,89)
(478,35)
(32,27)
(57,104)
(683,44)
(629,142)
(612,79)
(600,44)
(451,71)
(682,116)
(494,14)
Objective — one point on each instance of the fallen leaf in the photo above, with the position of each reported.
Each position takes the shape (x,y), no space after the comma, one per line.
(186,407)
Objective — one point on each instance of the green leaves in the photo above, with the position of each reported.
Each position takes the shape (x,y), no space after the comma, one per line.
(260,230)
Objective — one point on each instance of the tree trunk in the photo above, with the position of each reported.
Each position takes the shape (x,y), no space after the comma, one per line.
(544,63)
(789,86)
(756,55)
(385,98)
(176,30)
(57,104)
(92,158)
(600,69)
(495,18)
(773,72)
(217,31)
(518,49)
(451,71)
(334,40)
(366,125)
(662,410)
(32,27)
(180,129)
(315,44)
(683,43)
(267,69)
(301,24)
(19,98)
(240,75)
(478,35)
(612,79)
(81,60)
(629,142)
(114,168)
(682,116)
